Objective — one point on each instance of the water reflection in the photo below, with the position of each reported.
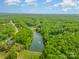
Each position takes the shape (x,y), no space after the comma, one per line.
(37,43)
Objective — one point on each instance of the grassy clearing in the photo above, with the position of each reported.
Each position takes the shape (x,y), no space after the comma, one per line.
(25,54)
(28,55)
(2,55)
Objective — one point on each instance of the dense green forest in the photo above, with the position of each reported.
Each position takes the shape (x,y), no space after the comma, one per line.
(60,36)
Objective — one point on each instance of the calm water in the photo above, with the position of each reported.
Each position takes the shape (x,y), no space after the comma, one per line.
(37,43)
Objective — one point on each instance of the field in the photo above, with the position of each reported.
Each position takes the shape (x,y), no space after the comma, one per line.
(60,36)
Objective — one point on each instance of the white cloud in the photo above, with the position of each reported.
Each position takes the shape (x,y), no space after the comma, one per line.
(47,1)
(31,2)
(67,4)
(12,2)
(66,9)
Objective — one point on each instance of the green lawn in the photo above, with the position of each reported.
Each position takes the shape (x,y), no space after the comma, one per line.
(28,55)
(2,55)
(25,54)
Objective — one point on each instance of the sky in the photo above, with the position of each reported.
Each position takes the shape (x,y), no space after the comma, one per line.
(40,6)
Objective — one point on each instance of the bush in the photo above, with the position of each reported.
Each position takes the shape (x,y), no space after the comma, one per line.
(12,55)
(24,37)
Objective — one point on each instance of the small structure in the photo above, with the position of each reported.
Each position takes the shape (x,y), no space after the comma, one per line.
(10,42)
